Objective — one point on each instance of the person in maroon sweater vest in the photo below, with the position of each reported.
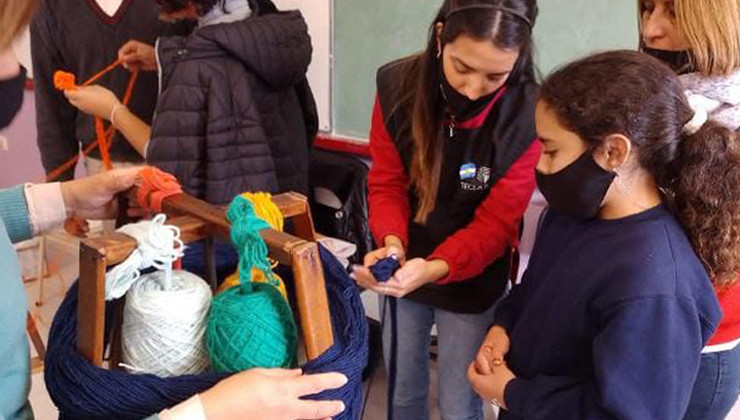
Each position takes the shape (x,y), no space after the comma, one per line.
(453,147)
(698,39)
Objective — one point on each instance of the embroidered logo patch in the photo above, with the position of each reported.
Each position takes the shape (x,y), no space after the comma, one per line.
(467,171)
(474,178)
(484,174)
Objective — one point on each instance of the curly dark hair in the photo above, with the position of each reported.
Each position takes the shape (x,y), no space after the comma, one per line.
(633,94)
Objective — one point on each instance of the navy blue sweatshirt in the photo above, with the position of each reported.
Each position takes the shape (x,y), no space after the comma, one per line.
(609,320)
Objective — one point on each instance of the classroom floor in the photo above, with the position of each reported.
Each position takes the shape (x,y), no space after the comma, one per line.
(62,259)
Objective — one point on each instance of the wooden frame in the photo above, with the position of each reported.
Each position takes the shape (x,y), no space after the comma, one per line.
(199,220)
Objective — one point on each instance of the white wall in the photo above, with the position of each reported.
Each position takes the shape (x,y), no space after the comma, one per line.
(318,14)
(22,49)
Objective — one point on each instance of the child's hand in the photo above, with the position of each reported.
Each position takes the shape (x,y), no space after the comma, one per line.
(93,100)
(491,387)
(492,351)
(137,55)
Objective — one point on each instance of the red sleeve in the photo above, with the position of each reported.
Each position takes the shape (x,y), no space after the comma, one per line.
(495,226)
(388,184)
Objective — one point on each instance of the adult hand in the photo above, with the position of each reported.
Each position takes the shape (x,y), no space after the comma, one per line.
(492,351)
(93,100)
(94,197)
(491,387)
(137,55)
(272,394)
(362,274)
(415,274)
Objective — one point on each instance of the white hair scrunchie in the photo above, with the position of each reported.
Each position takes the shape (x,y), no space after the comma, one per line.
(702,107)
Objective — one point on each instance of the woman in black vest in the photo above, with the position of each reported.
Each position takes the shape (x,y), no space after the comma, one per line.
(453,149)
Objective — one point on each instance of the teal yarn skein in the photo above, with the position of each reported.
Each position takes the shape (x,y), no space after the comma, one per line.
(250,325)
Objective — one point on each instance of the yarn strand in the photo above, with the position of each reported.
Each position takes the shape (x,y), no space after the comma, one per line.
(268,211)
(104,137)
(159,247)
(245,227)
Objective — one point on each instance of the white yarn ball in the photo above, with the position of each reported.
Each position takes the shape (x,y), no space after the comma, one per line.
(163,327)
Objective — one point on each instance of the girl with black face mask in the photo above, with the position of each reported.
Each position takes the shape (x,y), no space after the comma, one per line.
(701,40)
(617,302)
(452,141)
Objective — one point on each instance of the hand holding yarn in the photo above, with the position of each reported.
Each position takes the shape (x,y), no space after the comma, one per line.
(93,197)
(414,274)
(274,394)
(365,277)
(96,101)
(137,55)
(384,269)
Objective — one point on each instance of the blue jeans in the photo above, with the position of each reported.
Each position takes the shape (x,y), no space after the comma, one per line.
(717,386)
(459,337)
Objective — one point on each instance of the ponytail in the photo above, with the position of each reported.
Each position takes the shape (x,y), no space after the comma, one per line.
(706,194)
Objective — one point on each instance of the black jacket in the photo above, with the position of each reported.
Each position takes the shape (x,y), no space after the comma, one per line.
(235,112)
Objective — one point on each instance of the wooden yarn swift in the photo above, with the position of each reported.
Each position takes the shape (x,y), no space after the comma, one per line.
(199,220)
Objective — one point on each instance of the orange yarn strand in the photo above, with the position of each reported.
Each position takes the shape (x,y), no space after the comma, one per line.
(64,80)
(103,142)
(103,72)
(155,186)
(104,137)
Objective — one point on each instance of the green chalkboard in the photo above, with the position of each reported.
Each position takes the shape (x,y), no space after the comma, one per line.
(369,33)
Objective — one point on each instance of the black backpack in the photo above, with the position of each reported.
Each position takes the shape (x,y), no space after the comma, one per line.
(346,177)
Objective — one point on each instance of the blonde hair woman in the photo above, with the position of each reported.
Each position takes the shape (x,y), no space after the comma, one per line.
(700,39)
(14,17)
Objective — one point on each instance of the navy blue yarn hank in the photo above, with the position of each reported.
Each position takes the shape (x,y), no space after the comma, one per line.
(349,353)
(83,391)
(384,269)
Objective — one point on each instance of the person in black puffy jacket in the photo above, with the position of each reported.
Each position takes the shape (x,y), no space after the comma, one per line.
(235,112)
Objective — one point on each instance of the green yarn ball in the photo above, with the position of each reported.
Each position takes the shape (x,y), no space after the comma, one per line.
(250,325)
(248,330)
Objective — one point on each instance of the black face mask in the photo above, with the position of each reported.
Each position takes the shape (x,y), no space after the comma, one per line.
(460,106)
(11,98)
(679,61)
(578,189)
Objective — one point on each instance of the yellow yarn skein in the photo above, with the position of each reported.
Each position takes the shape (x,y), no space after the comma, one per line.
(270,213)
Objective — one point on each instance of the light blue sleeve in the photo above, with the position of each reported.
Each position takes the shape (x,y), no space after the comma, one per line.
(14,213)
